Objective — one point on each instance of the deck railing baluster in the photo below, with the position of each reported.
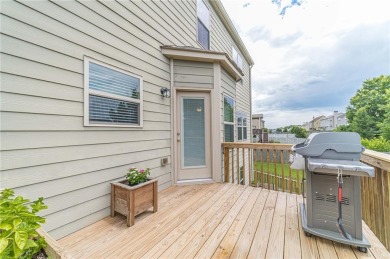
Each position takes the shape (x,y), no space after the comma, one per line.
(255,172)
(226,163)
(238,165)
(261,168)
(268,170)
(289,176)
(233,165)
(275,171)
(281,152)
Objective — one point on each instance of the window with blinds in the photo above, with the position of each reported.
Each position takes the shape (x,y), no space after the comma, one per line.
(203,30)
(228,118)
(113,97)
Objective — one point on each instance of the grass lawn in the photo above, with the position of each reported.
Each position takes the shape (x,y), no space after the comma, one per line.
(279,169)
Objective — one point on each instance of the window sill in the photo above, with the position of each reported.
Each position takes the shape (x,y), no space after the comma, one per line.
(113,126)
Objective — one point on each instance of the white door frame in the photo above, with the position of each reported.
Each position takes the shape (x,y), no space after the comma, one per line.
(216,124)
(193,173)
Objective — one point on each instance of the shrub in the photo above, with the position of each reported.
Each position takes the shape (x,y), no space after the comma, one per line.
(18,225)
(377,144)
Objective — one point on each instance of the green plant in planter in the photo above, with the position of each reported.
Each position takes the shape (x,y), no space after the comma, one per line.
(135,176)
(18,225)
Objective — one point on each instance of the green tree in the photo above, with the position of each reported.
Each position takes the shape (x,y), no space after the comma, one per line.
(298,131)
(385,125)
(342,128)
(368,109)
(279,130)
(379,144)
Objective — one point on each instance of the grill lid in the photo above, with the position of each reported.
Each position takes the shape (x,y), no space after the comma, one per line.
(333,145)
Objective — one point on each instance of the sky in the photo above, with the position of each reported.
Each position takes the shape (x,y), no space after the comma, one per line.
(311,60)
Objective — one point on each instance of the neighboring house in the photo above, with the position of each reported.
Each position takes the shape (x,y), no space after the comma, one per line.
(257,121)
(306,126)
(82,85)
(315,124)
(333,121)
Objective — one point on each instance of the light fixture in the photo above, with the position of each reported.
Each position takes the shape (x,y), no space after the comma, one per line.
(199,109)
(165,92)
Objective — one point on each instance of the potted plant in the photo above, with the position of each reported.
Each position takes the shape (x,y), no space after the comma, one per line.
(135,176)
(134,195)
(20,236)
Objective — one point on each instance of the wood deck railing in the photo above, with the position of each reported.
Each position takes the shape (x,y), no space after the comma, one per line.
(266,165)
(376,196)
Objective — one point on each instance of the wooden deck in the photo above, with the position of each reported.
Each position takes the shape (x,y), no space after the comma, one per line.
(213,221)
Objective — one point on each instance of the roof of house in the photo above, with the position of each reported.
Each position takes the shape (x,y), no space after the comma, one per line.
(218,7)
(317,118)
(197,54)
(259,115)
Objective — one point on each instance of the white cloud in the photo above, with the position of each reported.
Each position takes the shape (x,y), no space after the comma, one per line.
(312,60)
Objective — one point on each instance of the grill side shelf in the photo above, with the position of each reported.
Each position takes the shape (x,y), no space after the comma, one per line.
(348,167)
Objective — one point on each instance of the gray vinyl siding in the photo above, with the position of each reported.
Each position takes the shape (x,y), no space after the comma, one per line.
(46,150)
(192,74)
(221,41)
(230,88)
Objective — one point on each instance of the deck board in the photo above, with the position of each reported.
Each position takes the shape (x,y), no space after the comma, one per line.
(309,247)
(292,247)
(276,239)
(226,246)
(260,240)
(243,244)
(207,231)
(214,220)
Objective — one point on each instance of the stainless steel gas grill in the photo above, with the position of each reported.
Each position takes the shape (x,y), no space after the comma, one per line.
(332,203)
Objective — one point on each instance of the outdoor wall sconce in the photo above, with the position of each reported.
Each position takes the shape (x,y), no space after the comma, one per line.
(165,92)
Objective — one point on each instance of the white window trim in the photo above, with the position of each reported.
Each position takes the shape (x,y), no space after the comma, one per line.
(198,20)
(228,122)
(88,91)
(238,55)
(242,116)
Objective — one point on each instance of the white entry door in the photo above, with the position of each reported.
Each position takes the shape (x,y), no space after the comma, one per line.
(193,136)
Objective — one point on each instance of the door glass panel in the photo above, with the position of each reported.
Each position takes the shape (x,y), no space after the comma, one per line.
(193,135)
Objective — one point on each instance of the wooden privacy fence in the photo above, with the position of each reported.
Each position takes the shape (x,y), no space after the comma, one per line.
(266,165)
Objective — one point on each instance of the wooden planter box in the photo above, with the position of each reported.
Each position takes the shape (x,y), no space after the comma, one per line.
(133,200)
(53,249)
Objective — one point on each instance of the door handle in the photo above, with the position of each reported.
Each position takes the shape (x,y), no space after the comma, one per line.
(178,137)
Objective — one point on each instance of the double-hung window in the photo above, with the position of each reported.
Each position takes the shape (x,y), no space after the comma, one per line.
(112,96)
(237,58)
(228,118)
(203,13)
(242,126)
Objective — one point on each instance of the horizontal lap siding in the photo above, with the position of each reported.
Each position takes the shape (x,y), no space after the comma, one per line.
(193,74)
(46,150)
(235,91)
(221,41)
